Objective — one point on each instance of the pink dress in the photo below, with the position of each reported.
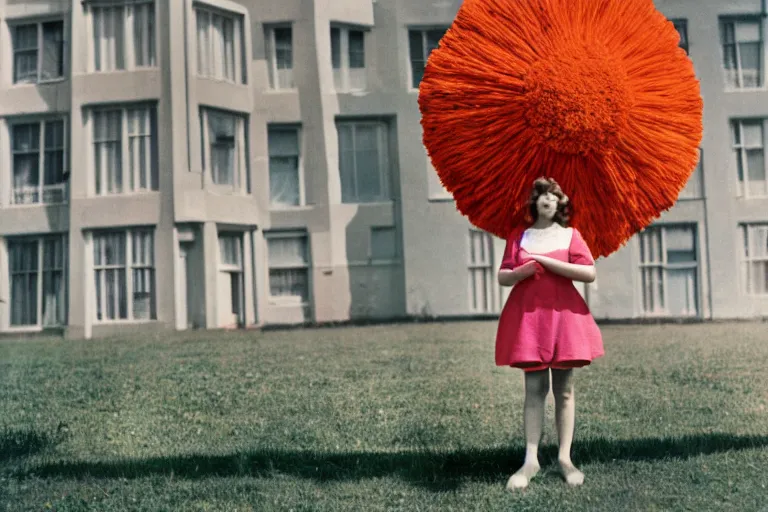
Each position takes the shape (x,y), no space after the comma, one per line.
(545,322)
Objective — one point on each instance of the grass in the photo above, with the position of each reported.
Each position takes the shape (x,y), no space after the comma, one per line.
(410,417)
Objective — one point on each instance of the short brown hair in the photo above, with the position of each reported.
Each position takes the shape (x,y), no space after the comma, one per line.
(549,186)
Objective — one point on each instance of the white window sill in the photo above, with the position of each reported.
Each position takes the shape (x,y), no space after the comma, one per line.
(137,193)
(290,208)
(223,81)
(440,199)
(32,205)
(353,92)
(122,322)
(763,88)
(120,71)
(29,328)
(272,90)
(47,81)
(287,302)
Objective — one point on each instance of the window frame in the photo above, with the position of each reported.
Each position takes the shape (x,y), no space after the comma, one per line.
(742,185)
(396,247)
(342,84)
(40,240)
(129,42)
(735,20)
(662,266)
(695,184)
(235,271)
(289,300)
(125,170)
(39,22)
(746,260)
(300,165)
(485,266)
(240,75)
(41,120)
(271,54)
(241,173)
(422,29)
(128,266)
(681,25)
(385,159)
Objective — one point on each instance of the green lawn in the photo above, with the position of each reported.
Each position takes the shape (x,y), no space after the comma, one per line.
(411,417)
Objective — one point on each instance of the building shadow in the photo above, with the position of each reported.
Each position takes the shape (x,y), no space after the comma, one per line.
(435,471)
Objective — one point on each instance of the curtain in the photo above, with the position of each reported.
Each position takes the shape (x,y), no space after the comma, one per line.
(109,38)
(108,151)
(221,130)
(23,263)
(26,163)
(284,166)
(52,65)
(25,54)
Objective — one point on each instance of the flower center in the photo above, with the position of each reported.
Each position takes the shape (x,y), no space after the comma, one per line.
(578,101)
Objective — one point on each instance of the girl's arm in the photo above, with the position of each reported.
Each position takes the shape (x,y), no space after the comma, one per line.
(573,271)
(509,277)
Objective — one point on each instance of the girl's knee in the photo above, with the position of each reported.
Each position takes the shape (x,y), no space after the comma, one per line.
(537,383)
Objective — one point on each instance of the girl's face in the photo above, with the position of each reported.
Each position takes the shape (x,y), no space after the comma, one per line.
(546,205)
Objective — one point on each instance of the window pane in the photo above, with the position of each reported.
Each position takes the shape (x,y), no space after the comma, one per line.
(203,57)
(750,63)
(682,292)
(284,181)
(347,163)
(753,134)
(755,165)
(52,65)
(289,283)
(336,47)
(283,48)
(747,31)
(681,246)
(356,49)
(230,249)
(23,264)
(283,142)
(107,137)
(221,133)
(287,251)
(143,33)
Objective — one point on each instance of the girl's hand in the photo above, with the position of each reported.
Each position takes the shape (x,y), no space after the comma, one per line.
(529,269)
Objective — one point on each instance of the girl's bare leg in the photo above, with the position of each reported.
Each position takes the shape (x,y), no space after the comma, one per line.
(565,412)
(536,390)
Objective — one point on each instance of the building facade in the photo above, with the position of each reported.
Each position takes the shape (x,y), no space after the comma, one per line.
(182,164)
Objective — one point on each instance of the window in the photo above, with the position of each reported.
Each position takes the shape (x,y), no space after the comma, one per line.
(220,46)
(123,35)
(231,292)
(38,52)
(383,243)
(288,257)
(742,52)
(694,189)
(225,148)
(749,156)
(280,57)
(482,290)
(436,191)
(39,156)
(124,149)
(38,275)
(421,44)
(681,25)
(754,268)
(286,187)
(669,270)
(124,275)
(348,59)
(363,161)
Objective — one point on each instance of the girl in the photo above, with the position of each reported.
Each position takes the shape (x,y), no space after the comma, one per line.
(545,324)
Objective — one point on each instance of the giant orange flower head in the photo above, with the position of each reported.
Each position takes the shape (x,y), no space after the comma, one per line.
(595,94)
